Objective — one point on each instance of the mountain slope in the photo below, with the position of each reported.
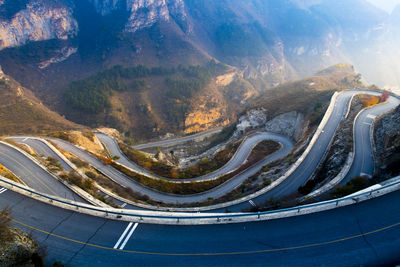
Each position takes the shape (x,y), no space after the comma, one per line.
(22,112)
(47,45)
(272,39)
(158,100)
(308,96)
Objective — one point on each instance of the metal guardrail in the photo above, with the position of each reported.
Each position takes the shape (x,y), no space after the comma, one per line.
(198,216)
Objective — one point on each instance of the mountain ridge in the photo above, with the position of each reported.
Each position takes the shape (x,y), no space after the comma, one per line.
(266,42)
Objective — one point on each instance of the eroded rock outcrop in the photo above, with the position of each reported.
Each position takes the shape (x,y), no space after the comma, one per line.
(290,124)
(37,22)
(145,13)
(387,141)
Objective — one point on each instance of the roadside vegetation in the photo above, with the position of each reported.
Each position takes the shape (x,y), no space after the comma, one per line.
(23,147)
(87,184)
(5,234)
(205,165)
(169,187)
(261,151)
(371,100)
(96,178)
(354,185)
(67,136)
(8,174)
(124,192)
(17,248)
(52,164)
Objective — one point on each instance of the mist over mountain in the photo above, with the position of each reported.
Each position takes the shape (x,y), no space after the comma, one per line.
(47,44)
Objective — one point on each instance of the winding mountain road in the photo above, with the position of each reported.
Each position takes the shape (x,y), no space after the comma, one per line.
(167,198)
(310,163)
(366,233)
(234,163)
(175,141)
(300,175)
(364,157)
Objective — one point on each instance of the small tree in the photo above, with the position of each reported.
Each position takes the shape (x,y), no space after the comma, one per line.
(4,225)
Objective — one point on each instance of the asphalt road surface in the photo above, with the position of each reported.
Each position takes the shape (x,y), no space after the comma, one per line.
(33,175)
(42,150)
(179,140)
(363,234)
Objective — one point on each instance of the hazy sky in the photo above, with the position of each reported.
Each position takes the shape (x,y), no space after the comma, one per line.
(387,5)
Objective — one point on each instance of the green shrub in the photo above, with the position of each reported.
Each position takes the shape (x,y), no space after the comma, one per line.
(354,185)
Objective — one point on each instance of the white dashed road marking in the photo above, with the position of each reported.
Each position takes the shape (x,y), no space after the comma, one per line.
(122,237)
(371,116)
(2,190)
(252,203)
(123,205)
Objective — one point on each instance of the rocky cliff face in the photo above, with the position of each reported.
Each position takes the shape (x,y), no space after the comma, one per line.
(277,40)
(37,22)
(144,13)
(267,42)
(387,141)
(105,7)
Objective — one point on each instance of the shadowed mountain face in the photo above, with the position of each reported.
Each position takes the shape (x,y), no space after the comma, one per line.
(47,44)
(263,37)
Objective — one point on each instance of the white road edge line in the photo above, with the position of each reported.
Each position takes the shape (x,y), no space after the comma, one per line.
(3,190)
(129,236)
(123,235)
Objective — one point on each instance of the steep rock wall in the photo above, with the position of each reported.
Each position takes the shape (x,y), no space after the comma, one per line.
(144,13)
(37,22)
